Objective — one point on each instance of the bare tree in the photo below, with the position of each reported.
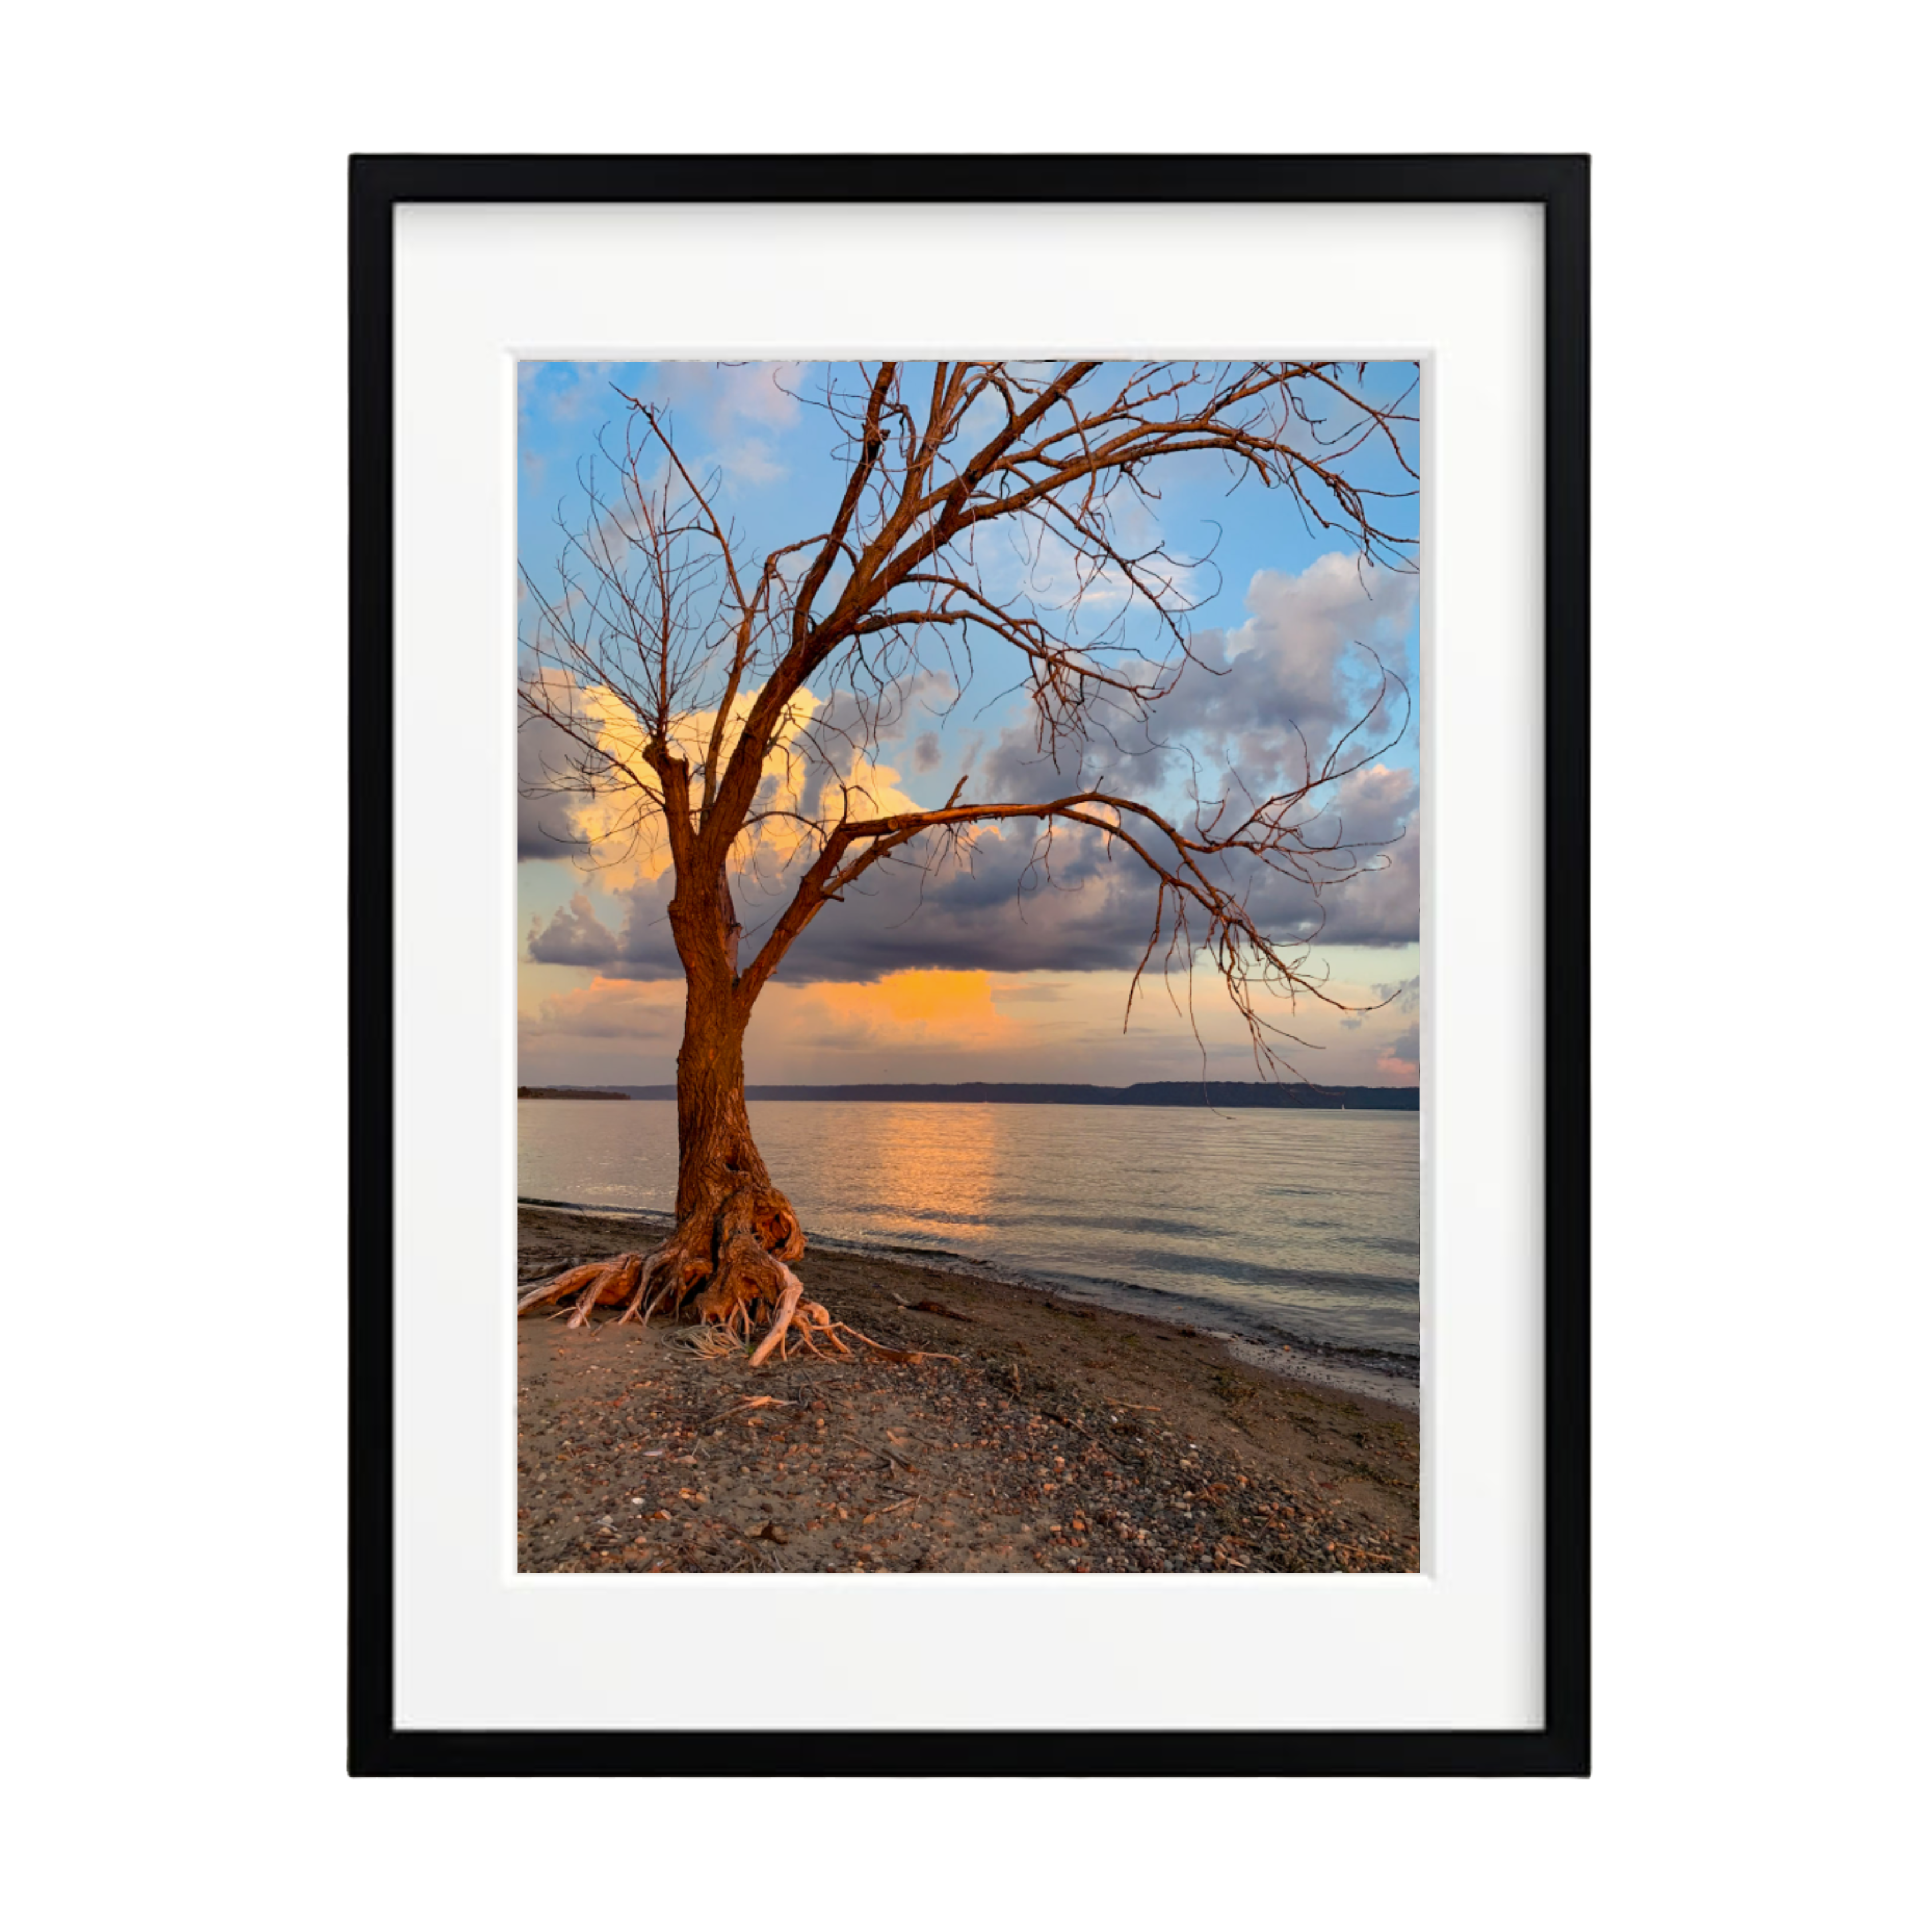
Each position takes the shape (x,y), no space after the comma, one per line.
(686,677)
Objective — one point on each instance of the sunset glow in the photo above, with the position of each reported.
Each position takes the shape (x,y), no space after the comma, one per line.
(909,1009)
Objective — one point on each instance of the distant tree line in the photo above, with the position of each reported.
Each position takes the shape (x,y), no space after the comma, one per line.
(1048,1093)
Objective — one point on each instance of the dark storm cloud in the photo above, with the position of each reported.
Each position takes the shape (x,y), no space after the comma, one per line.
(1082,919)
(1019,908)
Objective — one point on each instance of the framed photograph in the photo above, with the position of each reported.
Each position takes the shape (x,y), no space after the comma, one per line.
(969,965)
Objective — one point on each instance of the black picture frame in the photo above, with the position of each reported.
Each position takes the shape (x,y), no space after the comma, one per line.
(1560,185)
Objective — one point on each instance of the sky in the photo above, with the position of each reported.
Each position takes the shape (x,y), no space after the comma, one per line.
(986,970)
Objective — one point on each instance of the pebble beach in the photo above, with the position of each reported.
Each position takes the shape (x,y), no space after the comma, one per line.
(1034,1434)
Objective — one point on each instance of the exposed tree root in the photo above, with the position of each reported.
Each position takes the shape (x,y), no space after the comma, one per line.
(732,1267)
(609,1280)
(748,1286)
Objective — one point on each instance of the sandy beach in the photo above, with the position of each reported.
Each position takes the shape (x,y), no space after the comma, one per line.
(1057,1437)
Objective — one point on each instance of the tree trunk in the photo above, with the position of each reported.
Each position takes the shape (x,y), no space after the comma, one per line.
(738,1231)
(714,1146)
(731,1253)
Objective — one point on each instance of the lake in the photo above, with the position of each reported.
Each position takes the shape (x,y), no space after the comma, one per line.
(1288,1224)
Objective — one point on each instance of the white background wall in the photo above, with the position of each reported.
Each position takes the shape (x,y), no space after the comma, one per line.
(174,1413)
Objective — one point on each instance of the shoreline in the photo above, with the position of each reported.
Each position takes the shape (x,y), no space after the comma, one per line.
(1030,1432)
(1273,1347)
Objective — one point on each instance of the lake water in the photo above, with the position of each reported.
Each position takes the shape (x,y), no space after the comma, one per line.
(1286,1224)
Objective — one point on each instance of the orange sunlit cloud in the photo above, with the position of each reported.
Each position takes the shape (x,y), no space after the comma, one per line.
(934,1024)
(921,1008)
(629,846)
(934,1011)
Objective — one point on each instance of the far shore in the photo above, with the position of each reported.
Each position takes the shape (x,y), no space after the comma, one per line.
(1038,1433)
(1290,1096)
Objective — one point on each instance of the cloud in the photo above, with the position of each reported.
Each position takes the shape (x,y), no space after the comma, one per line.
(1382,905)
(948,1025)
(730,418)
(1082,592)
(749,461)
(817,744)
(564,391)
(736,409)
(1259,708)
(1405,996)
(546,826)
(574,937)
(1292,681)
(1401,1057)
(766,393)
(1016,904)
(943,1016)
(942,1010)
(602,1011)
(1273,696)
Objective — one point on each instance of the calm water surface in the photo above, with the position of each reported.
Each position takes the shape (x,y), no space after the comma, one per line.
(1284,1223)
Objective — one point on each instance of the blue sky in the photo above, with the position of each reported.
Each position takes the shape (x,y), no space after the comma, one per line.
(993,985)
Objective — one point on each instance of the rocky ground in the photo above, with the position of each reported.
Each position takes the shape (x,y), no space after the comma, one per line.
(1055,1437)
